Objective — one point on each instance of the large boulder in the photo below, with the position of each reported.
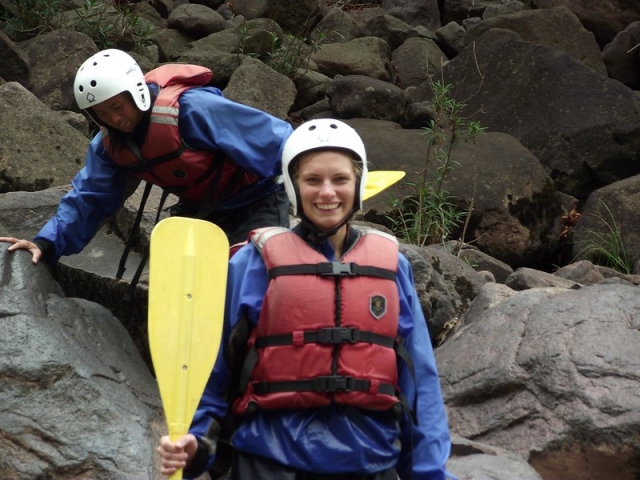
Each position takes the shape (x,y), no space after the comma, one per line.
(583,126)
(551,374)
(37,148)
(77,399)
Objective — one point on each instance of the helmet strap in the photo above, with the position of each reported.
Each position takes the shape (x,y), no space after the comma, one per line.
(319,234)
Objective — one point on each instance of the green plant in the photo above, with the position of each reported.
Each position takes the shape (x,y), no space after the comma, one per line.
(291,53)
(285,53)
(431,215)
(245,29)
(108,24)
(426,218)
(606,248)
(29,18)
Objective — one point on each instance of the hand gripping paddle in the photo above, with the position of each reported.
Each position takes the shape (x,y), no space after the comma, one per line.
(187,283)
(379,180)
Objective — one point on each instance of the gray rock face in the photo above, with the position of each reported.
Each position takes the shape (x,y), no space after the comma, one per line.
(557,27)
(76,399)
(37,149)
(424,13)
(370,56)
(551,374)
(416,60)
(90,274)
(582,144)
(609,219)
(54,57)
(336,26)
(622,56)
(604,19)
(247,85)
(513,214)
(16,66)
(546,371)
(364,97)
(445,285)
(197,20)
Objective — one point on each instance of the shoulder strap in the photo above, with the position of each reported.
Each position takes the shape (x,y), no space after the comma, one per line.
(134,230)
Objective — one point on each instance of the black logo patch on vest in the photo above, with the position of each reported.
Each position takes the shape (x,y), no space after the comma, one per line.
(378,306)
(179,174)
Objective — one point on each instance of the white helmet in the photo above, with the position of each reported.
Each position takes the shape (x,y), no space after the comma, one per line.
(107,74)
(320,134)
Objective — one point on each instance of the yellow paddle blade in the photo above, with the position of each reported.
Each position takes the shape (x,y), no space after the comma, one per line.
(187,282)
(379,180)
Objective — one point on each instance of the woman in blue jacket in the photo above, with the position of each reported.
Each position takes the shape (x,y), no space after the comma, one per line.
(337,378)
(221,158)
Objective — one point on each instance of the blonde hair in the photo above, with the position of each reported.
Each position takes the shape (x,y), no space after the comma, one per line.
(294,166)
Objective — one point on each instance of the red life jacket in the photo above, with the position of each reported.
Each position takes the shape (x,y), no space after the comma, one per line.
(327,330)
(164,159)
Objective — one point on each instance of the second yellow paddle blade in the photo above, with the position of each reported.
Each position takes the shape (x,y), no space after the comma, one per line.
(379,180)
(187,281)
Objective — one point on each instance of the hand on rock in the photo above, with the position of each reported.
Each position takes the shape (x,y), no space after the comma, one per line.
(17,244)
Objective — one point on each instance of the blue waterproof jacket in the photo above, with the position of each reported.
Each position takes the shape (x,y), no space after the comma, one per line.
(251,138)
(336,439)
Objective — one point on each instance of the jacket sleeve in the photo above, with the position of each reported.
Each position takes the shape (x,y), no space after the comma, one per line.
(247,282)
(430,437)
(97,193)
(250,137)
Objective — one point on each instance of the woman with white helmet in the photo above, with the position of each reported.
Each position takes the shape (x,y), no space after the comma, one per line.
(328,371)
(170,128)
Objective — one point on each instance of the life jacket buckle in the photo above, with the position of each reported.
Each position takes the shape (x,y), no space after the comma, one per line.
(341,269)
(332,383)
(337,335)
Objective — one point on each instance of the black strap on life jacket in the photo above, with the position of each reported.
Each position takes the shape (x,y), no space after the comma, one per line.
(242,374)
(145,165)
(145,253)
(331,335)
(134,230)
(132,234)
(137,168)
(208,206)
(328,336)
(216,167)
(335,269)
(323,384)
(405,356)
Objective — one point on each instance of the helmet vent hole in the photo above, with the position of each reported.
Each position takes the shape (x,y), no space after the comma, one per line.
(334,126)
(312,127)
(81,88)
(93,83)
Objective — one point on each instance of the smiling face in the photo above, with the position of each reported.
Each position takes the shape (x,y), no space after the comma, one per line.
(327,183)
(118,112)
